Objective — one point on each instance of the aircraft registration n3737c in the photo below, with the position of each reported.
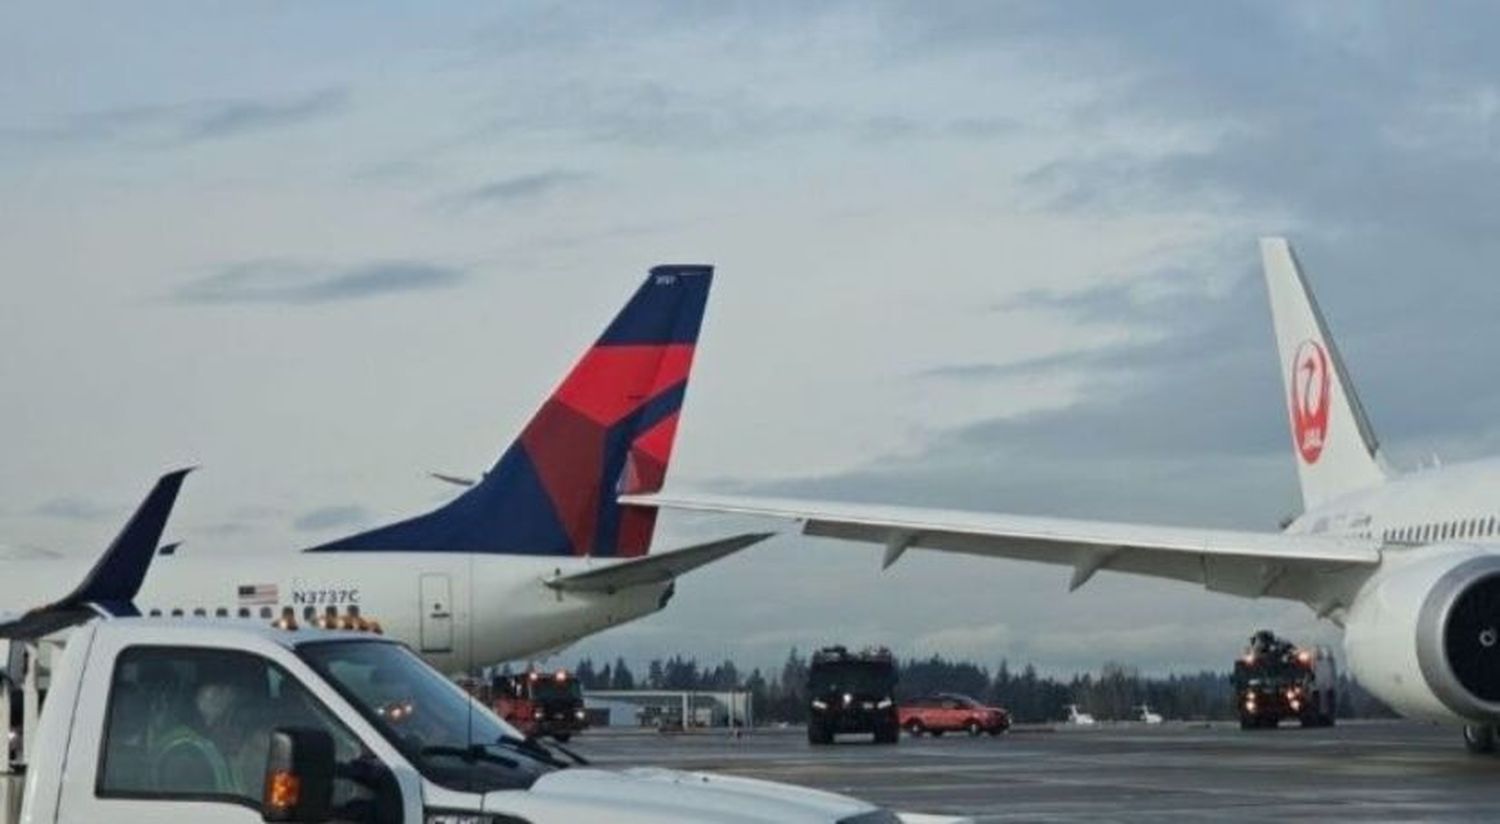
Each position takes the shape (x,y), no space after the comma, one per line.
(536,555)
(1408,565)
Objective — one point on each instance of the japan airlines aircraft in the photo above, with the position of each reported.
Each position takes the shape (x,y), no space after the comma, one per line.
(533,557)
(1408,565)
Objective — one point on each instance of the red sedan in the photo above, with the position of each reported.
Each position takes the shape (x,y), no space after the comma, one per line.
(950,712)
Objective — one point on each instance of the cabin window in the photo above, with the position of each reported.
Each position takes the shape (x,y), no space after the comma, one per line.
(200,612)
(310,614)
(155,613)
(244,612)
(176,613)
(265,612)
(221,612)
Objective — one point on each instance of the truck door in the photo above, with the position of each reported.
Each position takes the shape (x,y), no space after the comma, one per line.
(437,612)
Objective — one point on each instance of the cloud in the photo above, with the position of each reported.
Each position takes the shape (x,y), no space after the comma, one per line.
(331,517)
(282,282)
(518,188)
(230,118)
(171,124)
(652,114)
(73,509)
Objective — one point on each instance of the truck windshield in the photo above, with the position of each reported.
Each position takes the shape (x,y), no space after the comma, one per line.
(548,689)
(864,678)
(450,738)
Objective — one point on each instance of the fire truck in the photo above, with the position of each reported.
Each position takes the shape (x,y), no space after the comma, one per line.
(1275,680)
(541,704)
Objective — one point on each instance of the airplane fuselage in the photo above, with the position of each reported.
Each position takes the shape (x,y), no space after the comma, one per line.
(1460,502)
(461,611)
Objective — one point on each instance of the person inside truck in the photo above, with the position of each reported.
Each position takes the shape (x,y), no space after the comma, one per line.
(203,749)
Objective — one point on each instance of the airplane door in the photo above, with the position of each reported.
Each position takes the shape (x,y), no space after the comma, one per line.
(437,612)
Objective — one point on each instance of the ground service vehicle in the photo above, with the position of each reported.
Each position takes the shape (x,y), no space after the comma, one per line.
(852,692)
(1276,680)
(143,720)
(950,712)
(151,720)
(540,703)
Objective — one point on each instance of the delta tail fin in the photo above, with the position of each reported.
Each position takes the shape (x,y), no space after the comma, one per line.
(606,431)
(1332,440)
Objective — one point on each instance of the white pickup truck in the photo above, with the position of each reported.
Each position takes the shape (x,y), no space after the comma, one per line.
(188,720)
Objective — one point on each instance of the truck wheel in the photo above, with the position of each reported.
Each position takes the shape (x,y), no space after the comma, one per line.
(818,735)
(974,728)
(1479,739)
(935,733)
(562,737)
(1247,723)
(887,734)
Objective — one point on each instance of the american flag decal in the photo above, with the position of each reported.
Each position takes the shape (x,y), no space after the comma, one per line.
(258,594)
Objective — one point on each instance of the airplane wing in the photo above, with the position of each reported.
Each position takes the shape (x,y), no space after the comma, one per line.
(655,568)
(1245,563)
(111,586)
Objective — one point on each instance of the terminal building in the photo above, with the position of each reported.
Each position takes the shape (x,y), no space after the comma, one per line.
(669,709)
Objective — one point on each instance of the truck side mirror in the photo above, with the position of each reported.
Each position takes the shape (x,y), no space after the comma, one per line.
(299,776)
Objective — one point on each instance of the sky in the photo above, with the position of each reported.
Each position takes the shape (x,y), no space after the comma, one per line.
(989,255)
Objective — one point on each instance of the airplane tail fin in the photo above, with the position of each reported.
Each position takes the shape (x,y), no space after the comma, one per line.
(606,431)
(1335,446)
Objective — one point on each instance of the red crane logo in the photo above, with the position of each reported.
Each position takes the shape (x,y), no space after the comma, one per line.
(1310,400)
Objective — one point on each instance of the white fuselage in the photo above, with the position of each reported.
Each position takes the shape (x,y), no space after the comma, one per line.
(1455,503)
(1415,515)
(461,611)
(1430,522)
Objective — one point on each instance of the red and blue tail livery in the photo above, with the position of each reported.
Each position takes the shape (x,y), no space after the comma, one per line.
(606,431)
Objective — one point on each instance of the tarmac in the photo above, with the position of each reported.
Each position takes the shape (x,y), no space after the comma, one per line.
(1368,771)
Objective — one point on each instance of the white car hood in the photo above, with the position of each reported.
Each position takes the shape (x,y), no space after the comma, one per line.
(661,796)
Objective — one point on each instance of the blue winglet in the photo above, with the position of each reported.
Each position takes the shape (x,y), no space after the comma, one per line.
(111,586)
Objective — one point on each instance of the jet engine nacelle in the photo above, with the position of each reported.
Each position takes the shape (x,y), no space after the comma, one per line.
(1423,634)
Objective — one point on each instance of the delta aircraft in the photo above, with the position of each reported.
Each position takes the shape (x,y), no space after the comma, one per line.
(536,555)
(1407,564)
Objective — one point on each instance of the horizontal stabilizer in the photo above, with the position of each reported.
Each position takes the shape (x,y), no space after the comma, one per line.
(657,568)
(111,586)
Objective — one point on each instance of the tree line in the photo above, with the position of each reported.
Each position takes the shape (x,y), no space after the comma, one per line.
(1110,694)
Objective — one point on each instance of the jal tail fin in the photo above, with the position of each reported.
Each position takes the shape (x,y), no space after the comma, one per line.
(1334,445)
(607,430)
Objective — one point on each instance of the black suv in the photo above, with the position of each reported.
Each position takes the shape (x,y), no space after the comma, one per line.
(852,692)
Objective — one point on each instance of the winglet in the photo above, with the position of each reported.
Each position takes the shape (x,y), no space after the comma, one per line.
(118,575)
(111,586)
